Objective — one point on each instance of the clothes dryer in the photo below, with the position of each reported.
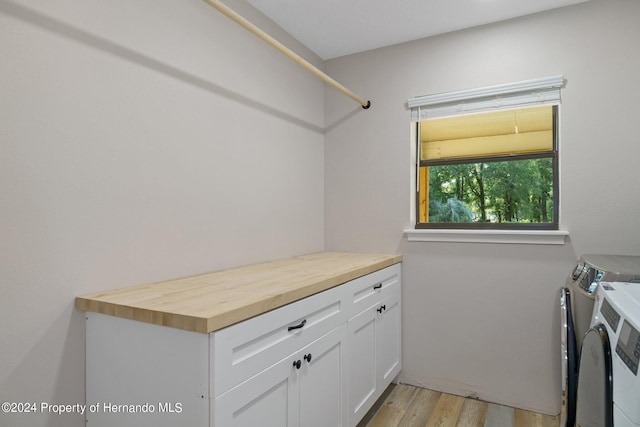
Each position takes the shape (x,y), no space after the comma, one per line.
(576,308)
(608,383)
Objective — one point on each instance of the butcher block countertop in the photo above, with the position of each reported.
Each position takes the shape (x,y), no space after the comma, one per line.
(212,301)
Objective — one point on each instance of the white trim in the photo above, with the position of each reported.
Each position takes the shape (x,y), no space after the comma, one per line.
(528,237)
(541,91)
(484,92)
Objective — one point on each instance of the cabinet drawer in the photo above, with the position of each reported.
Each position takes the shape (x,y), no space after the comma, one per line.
(369,290)
(242,350)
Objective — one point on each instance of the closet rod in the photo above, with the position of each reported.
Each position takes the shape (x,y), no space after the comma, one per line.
(239,19)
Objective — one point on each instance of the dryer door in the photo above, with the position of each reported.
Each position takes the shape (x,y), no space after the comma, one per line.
(594,406)
(569,361)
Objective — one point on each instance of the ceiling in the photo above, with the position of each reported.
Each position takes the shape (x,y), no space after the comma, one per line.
(333,28)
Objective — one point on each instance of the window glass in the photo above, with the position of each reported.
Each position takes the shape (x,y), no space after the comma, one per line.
(489,170)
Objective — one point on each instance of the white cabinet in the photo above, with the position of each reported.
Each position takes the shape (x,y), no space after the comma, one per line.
(144,375)
(388,342)
(374,336)
(269,398)
(243,350)
(306,389)
(323,382)
(318,362)
(285,367)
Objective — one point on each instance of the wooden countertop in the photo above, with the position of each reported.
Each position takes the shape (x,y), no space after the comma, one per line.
(208,302)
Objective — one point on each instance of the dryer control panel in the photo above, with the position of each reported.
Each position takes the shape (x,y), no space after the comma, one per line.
(628,347)
(610,315)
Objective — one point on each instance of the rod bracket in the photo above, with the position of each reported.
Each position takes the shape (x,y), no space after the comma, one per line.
(366,107)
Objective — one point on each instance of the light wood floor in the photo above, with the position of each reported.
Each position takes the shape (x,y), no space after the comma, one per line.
(405,405)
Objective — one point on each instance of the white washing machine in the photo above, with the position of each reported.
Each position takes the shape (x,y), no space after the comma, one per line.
(608,382)
(576,308)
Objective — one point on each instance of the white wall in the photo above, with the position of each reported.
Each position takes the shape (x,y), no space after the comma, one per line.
(482,319)
(139,141)
(147,140)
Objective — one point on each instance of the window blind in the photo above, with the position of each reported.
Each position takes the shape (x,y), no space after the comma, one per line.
(543,91)
(519,131)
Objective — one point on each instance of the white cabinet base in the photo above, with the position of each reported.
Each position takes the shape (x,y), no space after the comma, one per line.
(374,336)
(311,395)
(140,374)
(319,362)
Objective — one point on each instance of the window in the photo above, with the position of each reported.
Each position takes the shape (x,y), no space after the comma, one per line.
(488,158)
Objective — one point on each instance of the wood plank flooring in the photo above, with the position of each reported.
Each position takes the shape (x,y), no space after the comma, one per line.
(408,406)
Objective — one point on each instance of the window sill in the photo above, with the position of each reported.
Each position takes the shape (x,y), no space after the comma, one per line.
(526,237)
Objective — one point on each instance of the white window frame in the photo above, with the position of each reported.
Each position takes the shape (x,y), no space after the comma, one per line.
(543,91)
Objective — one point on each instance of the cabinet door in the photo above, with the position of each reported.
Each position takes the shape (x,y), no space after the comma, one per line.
(388,340)
(267,399)
(362,364)
(322,381)
(374,354)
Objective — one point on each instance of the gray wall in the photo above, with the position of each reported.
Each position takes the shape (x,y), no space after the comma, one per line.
(139,141)
(148,140)
(481,319)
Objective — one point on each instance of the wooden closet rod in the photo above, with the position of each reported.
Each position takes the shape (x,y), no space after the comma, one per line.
(239,19)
